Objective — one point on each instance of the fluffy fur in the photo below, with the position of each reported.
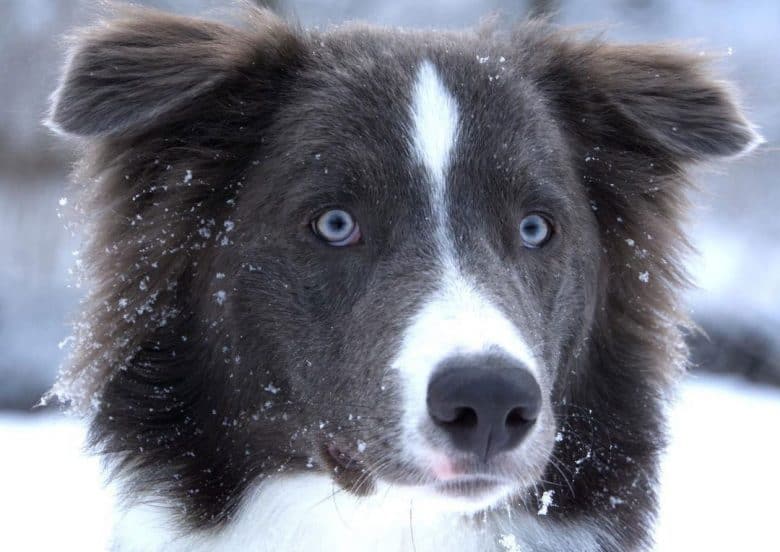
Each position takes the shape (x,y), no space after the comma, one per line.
(224,351)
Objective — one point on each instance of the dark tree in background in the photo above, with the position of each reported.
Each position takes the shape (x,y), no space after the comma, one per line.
(543,7)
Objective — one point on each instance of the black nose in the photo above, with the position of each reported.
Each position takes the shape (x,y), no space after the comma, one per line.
(485,403)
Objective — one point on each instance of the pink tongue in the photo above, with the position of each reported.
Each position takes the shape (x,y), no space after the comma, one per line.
(443,469)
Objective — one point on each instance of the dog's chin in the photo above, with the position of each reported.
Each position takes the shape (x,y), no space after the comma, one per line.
(467,495)
(467,491)
(471,494)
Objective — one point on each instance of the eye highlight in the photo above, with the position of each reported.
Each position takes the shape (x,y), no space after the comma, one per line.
(336,227)
(535,230)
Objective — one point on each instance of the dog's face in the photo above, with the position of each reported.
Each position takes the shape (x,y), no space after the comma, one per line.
(393,259)
(416,271)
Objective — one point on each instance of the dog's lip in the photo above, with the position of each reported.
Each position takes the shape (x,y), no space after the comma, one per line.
(470,484)
(341,458)
(348,469)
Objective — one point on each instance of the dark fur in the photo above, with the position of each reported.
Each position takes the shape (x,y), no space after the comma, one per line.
(180,383)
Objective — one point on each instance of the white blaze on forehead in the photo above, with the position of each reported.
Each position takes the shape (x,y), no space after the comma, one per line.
(435,125)
(457,319)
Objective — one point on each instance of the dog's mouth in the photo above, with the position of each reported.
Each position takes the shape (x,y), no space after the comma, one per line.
(353,475)
(347,470)
(472,486)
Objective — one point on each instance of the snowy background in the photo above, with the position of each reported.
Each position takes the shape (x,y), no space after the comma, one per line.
(722,473)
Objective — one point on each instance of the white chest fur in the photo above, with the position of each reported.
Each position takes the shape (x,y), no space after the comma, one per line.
(306,513)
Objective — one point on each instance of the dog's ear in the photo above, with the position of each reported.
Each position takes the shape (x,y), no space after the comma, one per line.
(146,66)
(634,118)
(653,97)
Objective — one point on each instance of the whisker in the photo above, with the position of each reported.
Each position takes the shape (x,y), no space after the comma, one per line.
(554,462)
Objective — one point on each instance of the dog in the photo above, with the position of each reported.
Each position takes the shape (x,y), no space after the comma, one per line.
(373,289)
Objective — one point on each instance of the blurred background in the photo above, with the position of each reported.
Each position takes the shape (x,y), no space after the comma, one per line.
(722,464)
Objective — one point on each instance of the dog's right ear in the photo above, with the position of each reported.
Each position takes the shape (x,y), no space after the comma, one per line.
(654,99)
(146,66)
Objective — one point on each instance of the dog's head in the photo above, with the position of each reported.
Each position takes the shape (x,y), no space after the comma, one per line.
(416,260)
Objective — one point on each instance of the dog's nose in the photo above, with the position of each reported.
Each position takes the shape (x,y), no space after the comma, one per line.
(485,403)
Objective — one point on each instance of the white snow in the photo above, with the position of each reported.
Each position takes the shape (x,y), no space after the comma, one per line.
(509,543)
(220,297)
(720,484)
(52,494)
(546,502)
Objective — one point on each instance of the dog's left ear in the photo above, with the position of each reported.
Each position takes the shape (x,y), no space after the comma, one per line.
(652,99)
(143,67)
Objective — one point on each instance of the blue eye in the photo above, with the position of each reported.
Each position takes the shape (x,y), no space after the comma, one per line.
(535,230)
(337,228)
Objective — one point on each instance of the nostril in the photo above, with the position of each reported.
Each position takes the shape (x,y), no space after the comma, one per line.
(484,404)
(518,418)
(465,417)
(459,416)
